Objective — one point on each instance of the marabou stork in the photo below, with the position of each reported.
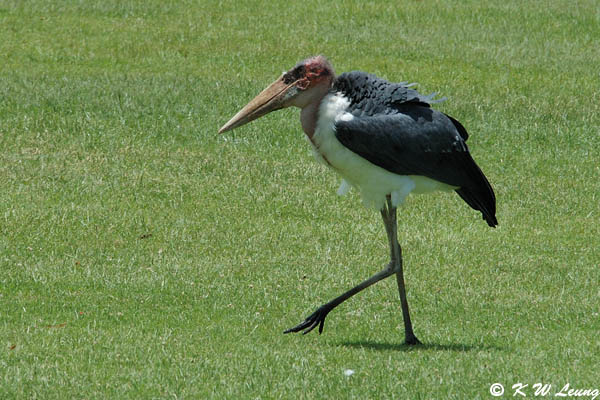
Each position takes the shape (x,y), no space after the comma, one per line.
(384,140)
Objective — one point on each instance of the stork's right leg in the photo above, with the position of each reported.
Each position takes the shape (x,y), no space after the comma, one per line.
(391,226)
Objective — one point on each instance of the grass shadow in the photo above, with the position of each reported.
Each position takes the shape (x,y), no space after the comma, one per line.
(385,346)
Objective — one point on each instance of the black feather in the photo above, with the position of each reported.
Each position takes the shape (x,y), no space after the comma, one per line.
(395,128)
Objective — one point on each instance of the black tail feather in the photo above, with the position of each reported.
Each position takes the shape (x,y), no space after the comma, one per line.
(481,200)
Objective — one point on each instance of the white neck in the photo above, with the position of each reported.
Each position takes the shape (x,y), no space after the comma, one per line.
(309,116)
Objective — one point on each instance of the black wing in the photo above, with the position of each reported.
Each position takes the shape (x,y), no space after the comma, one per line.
(417,140)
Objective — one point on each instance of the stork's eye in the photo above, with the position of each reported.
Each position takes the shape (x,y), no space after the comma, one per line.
(294,74)
(288,78)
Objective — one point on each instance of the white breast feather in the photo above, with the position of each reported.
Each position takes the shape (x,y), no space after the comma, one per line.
(373,182)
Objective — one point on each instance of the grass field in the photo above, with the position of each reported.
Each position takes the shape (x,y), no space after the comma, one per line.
(144,256)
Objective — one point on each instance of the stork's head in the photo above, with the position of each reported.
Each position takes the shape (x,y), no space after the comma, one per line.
(301,86)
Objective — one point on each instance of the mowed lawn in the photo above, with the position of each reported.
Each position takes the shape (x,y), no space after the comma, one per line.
(144,256)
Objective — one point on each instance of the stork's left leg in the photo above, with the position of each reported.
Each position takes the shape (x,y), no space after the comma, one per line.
(394,267)
(318,317)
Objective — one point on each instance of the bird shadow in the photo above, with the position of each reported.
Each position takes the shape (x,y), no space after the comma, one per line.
(385,346)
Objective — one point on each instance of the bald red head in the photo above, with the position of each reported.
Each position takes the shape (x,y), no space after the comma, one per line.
(310,72)
(301,86)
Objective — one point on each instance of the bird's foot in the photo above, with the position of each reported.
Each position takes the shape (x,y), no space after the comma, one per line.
(411,340)
(311,322)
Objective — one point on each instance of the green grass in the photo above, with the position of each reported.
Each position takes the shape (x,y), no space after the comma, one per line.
(144,256)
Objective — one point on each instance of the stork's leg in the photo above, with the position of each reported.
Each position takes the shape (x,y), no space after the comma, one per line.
(318,317)
(395,266)
(391,226)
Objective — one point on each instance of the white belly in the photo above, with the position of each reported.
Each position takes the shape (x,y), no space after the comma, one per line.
(373,182)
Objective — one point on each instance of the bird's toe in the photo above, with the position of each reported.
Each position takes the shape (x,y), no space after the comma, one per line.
(412,341)
(311,322)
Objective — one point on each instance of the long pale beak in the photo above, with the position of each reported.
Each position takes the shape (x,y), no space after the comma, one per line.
(272,98)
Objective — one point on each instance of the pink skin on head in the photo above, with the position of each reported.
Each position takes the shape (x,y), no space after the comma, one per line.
(315,83)
(316,70)
(303,86)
